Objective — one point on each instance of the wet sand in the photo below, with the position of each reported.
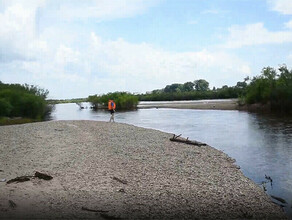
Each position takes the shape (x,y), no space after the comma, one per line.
(121,171)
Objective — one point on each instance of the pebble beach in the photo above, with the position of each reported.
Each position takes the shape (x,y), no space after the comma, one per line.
(106,170)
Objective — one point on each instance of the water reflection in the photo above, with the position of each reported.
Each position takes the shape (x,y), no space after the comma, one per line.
(261,144)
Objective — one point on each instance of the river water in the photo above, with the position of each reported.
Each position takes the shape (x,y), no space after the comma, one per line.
(261,144)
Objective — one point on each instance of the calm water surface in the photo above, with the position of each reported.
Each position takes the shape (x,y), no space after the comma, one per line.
(261,144)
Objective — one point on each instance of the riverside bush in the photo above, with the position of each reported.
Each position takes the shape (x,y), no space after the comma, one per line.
(23,101)
(5,107)
(272,87)
(123,100)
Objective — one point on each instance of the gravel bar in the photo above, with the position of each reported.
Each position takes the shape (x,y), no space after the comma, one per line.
(106,170)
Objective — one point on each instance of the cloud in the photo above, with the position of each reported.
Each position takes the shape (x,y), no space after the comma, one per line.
(214,11)
(289,24)
(27,3)
(143,62)
(281,6)
(118,65)
(255,34)
(289,58)
(103,9)
(192,22)
(18,39)
(53,58)
(66,55)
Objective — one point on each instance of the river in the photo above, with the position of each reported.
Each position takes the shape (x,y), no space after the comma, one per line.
(261,144)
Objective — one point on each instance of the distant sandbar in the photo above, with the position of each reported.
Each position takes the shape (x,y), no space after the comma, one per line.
(216,104)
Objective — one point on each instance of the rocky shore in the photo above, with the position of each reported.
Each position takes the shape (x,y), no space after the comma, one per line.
(110,170)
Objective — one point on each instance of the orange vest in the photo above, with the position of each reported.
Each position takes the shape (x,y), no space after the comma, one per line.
(111,105)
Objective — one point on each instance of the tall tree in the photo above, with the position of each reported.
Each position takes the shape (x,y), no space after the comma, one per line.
(201,85)
(188,87)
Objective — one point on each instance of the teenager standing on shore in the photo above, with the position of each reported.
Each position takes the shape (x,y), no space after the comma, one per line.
(111,108)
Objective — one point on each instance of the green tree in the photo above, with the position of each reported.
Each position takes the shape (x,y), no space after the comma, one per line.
(188,86)
(201,85)
(272,88)
(5,107)
(261,88)
(176,87)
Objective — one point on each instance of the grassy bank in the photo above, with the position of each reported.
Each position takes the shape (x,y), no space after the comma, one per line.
(15,121)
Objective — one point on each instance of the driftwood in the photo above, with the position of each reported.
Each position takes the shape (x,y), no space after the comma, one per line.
(19,179)
(119,180)
(12,204)
(279,199)
(27,178)
(269,178)
(42,176)
(186,141)
(92,210)
(103,213)
(106,216)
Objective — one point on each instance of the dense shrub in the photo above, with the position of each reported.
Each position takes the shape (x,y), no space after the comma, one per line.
(5,107)
(123,100)
(23,101)
(272,87)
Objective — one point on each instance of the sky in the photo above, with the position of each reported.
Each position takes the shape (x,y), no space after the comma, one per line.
(79,48)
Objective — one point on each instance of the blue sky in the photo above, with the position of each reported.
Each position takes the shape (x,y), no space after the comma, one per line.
(78,48)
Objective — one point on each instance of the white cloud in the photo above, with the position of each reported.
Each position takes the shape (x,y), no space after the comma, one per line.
(17,34)
(214,11)
(255,34)
(66,55)
(27,3)
(19,39)
(143,62)
(289,58)
(118,65)
(289,24)
(54,59)
(191,22)
(104,9)
(281,6)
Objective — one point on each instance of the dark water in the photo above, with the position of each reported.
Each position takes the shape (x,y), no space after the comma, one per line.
(261,144)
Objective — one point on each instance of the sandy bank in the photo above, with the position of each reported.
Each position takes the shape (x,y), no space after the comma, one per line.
(216,104)
(164,179)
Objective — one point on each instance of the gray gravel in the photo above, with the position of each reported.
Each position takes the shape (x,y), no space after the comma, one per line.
(164,179)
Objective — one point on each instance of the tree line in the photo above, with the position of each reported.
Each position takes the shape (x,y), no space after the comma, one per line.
(199,89)
(272,88)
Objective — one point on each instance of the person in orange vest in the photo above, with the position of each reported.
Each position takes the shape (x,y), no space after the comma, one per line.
(111,108)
